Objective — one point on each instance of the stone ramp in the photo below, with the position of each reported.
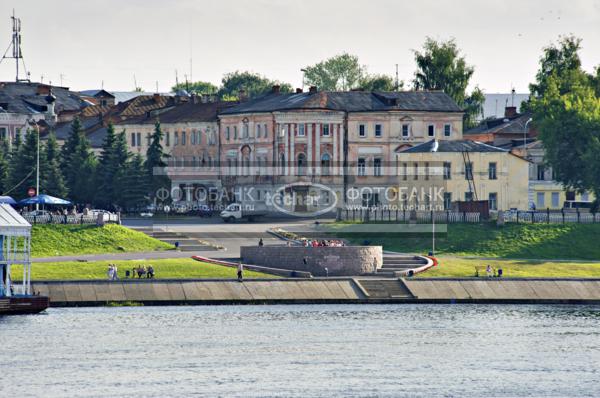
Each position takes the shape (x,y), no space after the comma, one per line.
(385,288)
(187,242)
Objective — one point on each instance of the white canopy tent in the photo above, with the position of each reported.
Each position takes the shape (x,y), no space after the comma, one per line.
(15,245)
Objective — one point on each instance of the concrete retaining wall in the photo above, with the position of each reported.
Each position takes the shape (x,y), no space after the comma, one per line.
(198,291)
(331,290)
(340,261)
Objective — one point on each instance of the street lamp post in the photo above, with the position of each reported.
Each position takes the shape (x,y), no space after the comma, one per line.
(525,131)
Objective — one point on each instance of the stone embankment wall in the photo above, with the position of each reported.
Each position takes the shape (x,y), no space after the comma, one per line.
(339,261)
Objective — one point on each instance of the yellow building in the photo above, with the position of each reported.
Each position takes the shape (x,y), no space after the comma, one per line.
(464,170)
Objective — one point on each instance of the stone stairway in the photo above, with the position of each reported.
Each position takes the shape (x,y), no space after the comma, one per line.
(395,264)
(186,243)
(385,288)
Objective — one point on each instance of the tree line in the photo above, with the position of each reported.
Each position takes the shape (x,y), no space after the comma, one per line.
(115,179)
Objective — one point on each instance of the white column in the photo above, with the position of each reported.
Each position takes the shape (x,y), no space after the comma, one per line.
(292,151)
(318,152)
(334,155)
(309,130)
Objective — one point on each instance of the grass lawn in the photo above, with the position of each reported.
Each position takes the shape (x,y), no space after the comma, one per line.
(517,241)
(464,267)
(176,268)
(62,240)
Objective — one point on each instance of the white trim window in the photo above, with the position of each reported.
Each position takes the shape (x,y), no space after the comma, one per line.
(431,130)
(405,130)
(362,167)
(447,130)
(301,130)
(266,131)
(362,130)
(258,132)
(227,133)
(326,130)
(378,130)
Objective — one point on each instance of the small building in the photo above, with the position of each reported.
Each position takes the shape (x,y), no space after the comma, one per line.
(15,245)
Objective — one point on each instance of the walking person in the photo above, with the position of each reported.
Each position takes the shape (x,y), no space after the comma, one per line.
(110,272)
(115,273)
(488,271)
(240,272)
(261,243)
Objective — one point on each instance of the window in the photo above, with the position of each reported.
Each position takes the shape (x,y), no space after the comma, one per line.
(282,163)
(148,139)
(227,133)
(361,167)
(168,138)
(193,138)
(2,133)
(199,137)
(378,130)
(301,164)
(585,197)
(370,199)
(468,196)
(540,172)
(132,139)
(404,171)
(447,130)
(194,162)
(447,200)
(492,171)
(362,131)
(176,139)
(469,171)
(325,164)
(301,131)
(258,134)
(405,130)
(326,130)
(540,200)
(139,139)
(235,132)
(416,171)
(431,130)
(555,199)
(447,170)
(377,167)
(493,201)
(570,195)
(426,171)
(266,131)
(245,130)
(183,138)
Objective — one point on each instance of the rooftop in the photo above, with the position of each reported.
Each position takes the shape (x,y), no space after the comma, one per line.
(30,98)
(453,146)
(349,101)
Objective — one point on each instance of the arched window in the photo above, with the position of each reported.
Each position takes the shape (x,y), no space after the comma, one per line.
(325,164)
(301,164)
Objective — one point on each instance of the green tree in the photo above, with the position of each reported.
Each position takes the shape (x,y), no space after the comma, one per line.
(23,164)
(252,83)
(201,88)
(380,83)
(78,165)
(121,156)
(565,101)
(156,162)
(440,66)
(107,169)
(4,167)
(135,184)
(52,180)
(342,72)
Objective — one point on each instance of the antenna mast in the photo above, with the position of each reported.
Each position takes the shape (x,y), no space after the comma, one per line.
(15,44)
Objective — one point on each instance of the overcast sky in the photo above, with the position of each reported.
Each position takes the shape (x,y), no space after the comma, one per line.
(110,41)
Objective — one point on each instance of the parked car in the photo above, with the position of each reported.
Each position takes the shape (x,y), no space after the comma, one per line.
(37,213)
(204,211)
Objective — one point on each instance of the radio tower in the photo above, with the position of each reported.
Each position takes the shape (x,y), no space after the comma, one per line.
(15,44)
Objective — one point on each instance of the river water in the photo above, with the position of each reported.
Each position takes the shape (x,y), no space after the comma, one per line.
(303,351)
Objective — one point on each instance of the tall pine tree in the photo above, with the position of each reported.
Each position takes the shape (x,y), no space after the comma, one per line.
(79,165)
(135,184)
(52,181)
(156,163)
(106,170)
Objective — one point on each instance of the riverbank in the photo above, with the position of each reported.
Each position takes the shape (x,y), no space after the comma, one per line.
(320,290)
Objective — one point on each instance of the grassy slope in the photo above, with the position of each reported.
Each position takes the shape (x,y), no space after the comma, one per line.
(463,267)
(61,240)
(181,268)
(518,241)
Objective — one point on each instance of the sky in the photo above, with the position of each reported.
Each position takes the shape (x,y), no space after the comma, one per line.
(115,43)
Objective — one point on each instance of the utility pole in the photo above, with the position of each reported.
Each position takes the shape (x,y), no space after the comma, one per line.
(37,174)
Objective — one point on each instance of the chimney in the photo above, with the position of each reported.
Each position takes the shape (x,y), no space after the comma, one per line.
(43,89)
(299,91)
(242,95)
(312,89)
(510,111)
(156,97)
(276,89)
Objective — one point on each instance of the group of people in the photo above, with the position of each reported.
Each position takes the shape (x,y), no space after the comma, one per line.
(491,272)
(323,243)
(141,271)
